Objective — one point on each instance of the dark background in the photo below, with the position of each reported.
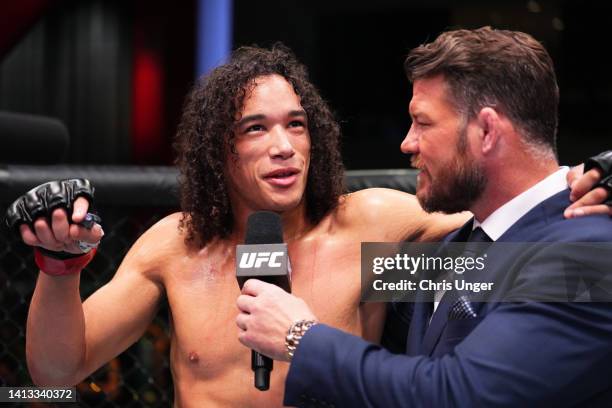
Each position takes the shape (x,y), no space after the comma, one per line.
(79,61)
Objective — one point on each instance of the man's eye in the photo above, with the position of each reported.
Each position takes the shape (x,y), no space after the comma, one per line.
(296,123)
(254,128)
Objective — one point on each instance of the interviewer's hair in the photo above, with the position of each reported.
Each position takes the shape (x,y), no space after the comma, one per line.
(206,133)
(507,70)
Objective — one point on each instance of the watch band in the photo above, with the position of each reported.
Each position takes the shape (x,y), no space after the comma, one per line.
(295,334)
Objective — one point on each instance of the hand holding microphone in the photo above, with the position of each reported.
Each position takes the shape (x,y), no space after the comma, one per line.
(267,309)
(266,314)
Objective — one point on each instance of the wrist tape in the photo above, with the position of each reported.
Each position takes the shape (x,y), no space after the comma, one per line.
(61,267)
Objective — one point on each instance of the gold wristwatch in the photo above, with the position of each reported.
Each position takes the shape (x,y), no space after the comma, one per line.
(295,334)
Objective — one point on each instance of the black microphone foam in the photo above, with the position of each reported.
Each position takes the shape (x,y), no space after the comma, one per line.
(264,227)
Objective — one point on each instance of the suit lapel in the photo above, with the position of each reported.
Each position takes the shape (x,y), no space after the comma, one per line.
(418,325)
(423,337)
(438,323)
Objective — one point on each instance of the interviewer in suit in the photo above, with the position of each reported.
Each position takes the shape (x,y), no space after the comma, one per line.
(484,121)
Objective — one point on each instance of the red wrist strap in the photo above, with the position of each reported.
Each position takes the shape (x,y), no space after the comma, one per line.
(59,267)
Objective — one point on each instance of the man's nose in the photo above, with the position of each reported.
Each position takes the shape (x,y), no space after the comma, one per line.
(410,144)
(281,146)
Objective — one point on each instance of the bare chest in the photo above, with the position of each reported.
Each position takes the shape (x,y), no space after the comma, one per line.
(202,294)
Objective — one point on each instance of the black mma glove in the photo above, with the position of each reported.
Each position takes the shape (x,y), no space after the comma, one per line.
(603,162)
(42,200)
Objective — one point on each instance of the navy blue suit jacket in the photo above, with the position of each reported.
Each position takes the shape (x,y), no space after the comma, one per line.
(513,354)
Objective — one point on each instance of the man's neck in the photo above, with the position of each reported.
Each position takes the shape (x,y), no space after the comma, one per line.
(506,182)
(295,224)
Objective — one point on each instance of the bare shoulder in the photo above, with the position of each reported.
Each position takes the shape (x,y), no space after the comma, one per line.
(165,235)
(383,214)
(156,247)
(379,213)
(377,201)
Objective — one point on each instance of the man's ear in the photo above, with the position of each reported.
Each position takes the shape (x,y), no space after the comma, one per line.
(490,125)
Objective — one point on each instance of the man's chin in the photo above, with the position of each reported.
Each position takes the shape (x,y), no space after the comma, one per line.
(425,203)
(433,204)
(284,204)
(446,206)
(424,198)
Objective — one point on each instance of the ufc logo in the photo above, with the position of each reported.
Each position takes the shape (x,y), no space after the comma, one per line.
(256,259)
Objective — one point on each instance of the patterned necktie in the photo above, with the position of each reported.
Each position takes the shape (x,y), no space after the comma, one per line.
(472,246)
(462,308)
(422,336)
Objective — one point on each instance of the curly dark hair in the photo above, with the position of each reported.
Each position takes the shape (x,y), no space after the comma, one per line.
(206,133)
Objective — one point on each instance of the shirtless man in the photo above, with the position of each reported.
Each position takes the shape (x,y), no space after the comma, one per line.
(255,135)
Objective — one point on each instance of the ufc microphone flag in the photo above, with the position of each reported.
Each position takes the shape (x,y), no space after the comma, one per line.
(268,262)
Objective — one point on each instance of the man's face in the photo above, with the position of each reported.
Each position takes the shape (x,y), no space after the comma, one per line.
(451,179)
(272,143)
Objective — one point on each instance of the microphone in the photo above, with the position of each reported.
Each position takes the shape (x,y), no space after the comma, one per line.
(263,256)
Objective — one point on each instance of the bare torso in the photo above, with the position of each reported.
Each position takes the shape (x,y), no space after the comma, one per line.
(210,366)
